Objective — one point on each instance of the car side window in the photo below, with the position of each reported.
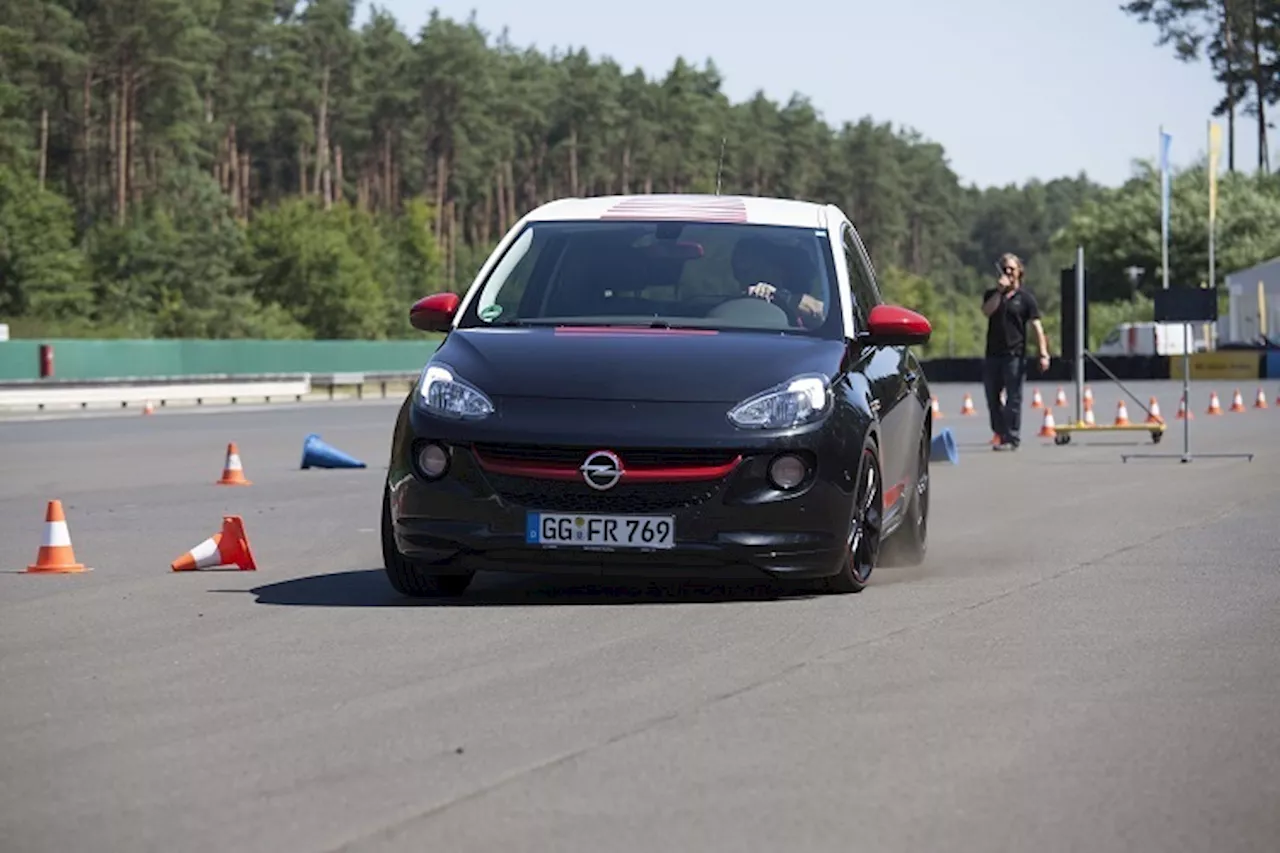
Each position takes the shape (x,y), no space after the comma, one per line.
(865,295)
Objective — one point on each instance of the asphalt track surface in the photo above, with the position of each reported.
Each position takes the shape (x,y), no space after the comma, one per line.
(1087,661)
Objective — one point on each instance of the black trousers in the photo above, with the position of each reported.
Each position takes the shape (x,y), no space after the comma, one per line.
(1005,373)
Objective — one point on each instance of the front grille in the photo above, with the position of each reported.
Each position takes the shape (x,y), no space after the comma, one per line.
(625,498)
(634,457)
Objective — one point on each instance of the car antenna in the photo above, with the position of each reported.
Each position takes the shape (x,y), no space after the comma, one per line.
(720,166)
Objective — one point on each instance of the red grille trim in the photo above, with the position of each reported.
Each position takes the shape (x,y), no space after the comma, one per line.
(640,474)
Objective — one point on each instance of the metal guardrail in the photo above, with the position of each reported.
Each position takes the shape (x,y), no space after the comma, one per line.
(359,380)
(42,393)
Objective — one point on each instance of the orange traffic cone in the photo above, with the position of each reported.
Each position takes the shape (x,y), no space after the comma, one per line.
(1237,402)
(232,470)
(229,547)
(1122,414)
(56,555)
(937,411)
(1036,402)
(148,408)
(967,407)
(1048,428)
(1088,395)
(1261,401)
(1089,419)
(1184,414)
(1215,408)
(1154,416)
(1061,399)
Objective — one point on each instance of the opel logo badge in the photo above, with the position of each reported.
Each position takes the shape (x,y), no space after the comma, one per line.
(602,470)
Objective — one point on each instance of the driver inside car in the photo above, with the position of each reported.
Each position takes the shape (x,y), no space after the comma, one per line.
(776,273)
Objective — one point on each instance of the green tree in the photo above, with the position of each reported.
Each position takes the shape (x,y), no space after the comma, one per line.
(42,273)
(1121,229)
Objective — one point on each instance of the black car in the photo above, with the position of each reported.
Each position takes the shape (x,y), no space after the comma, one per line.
(690,386)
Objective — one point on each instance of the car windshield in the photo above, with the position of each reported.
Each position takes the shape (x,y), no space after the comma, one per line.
(695,274)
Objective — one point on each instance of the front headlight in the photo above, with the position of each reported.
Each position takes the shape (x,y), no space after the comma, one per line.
(447,395)
(798,401)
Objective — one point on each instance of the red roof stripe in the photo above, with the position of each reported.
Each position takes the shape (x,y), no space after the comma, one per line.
(659,207)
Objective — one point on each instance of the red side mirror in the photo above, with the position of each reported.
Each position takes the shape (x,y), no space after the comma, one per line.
(434,313)
(895,326)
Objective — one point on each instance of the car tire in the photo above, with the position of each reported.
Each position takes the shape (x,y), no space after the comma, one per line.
(863,539)
(909,544)
(410,578)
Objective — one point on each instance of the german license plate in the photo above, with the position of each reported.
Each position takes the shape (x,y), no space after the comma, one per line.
(600,531)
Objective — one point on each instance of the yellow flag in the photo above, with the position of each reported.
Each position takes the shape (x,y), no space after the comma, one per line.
(1215,144)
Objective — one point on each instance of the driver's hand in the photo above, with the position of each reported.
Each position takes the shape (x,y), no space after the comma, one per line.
(762,290)
(811,306)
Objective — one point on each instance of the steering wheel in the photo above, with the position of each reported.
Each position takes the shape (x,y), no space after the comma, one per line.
(781,300)
(753,311)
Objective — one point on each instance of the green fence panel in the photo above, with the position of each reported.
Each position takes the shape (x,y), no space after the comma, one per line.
(123,359)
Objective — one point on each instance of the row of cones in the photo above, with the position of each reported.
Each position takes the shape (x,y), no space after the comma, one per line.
(227,547)
(1047,429)
(1215,407)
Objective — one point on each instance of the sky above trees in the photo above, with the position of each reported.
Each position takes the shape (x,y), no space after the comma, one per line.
(1012,89)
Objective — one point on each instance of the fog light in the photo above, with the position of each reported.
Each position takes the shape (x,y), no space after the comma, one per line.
(787,471)
(433,461)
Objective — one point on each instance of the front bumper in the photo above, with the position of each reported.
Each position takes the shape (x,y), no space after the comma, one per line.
(733,526)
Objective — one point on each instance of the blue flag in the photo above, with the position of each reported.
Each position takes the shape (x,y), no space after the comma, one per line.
(1165,139)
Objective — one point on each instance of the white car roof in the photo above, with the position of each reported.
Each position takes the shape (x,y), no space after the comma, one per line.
(751,210)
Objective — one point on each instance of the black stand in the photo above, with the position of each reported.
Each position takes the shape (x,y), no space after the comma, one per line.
(1186,305)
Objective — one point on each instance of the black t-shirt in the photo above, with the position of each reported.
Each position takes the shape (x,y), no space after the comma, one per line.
(1007,326)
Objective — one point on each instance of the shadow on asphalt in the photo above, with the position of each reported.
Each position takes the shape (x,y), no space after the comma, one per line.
(369,588)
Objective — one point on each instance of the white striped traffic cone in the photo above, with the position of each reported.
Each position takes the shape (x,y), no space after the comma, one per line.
(227,547)
(232,469)
(56,555)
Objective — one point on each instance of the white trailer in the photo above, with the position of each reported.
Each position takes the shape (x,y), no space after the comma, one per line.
(1254,304)
(1151,338)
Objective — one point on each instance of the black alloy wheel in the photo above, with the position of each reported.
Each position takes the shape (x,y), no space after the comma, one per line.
(863,542)
(408,577)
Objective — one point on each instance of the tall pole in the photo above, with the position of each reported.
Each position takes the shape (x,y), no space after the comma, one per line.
(1079,334)
(1213,230)
(1164,207)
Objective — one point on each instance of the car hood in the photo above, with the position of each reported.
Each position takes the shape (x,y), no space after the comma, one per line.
(630,364)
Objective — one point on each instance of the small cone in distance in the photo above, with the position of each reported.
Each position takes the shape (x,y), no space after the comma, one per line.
(1215,407)
(1184,414)
(1036,401)
(967,408)
(937,410)
(232,469)
(1088,395)
(1122,414)
(1261,401)
(148,409)
(1061,399)
(1089,419)
(1154,416)
(1237,402)
(56,555)
(1048,428)
(228,547)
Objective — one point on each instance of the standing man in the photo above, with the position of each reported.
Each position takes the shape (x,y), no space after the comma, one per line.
(1009,309)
